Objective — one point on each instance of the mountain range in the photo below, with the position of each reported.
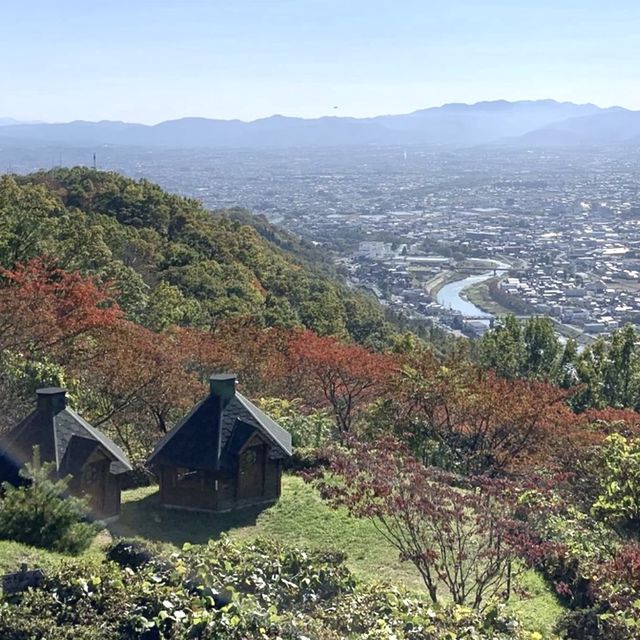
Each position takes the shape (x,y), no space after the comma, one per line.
(521,123)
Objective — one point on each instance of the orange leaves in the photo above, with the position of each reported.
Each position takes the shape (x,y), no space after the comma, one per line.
(346,376)
(44,307)
(479,422)
(140,372)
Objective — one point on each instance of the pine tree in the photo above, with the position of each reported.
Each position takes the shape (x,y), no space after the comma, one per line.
(42,514)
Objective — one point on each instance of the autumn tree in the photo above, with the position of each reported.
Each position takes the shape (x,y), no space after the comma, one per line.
(347,377)
(43,308)
(459,417)
(462,539)
(51,323)
(140,384)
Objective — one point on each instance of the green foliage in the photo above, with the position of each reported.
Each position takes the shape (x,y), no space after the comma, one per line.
(607,371)
(229,591)
(610,371)
(172,261)
(313,429)
(531,350)
(618,502)
(38,513)
(503,349)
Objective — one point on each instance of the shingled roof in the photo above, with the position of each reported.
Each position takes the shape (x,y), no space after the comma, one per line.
(63,436)
(216,429)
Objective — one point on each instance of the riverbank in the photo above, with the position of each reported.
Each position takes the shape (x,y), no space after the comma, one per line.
(433,286)
(480,296)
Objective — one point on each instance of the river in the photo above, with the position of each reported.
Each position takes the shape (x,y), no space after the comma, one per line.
(449,296)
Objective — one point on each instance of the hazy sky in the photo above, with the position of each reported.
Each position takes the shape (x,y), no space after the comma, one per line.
(146,61)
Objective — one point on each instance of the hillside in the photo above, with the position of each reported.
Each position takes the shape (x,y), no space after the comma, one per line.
(302,520)
(172,261)
(449,124)
(612,126)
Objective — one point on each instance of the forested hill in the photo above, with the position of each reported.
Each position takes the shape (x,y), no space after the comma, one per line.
(172,261)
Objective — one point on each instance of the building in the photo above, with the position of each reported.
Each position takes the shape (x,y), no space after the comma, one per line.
(94,461)
(226,453)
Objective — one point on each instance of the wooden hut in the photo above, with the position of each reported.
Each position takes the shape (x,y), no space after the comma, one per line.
(225,454)
(93,460)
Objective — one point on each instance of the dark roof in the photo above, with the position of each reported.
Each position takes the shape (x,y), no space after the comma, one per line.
(193,442)
(62,435)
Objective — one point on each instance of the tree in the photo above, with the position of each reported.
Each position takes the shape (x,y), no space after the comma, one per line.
(617,469)
(502,349)
(139,384)
(530,351)
(463,539)
(347,376)
(543,351)
(27,221)
(459,417)
(43,308)
(40,512)
(609,371)
(621,375)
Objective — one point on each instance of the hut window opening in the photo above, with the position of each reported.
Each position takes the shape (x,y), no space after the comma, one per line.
(188,478)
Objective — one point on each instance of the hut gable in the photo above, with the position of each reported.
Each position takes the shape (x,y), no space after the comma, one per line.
(66,439)
(211,440)
(215,430)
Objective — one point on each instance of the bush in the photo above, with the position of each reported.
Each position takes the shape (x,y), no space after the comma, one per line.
(39,514)
(306,460)
(139,476)
(308,430)
(130,553)
(271,591)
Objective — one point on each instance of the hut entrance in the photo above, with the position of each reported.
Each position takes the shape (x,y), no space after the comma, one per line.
(251,473)
(94,476)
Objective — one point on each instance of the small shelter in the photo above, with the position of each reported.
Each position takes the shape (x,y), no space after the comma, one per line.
(93,460)
(225,454)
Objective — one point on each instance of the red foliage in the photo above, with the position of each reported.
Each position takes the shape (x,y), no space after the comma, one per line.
(483,422)
(459,533)
(618,581)
(345,376)
(45,308)
(257,355)
(142,373)
(625,421)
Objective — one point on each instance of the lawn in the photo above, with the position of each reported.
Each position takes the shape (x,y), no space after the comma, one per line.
(13,554)
(301,518)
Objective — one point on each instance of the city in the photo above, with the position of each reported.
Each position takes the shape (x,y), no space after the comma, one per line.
(404,223)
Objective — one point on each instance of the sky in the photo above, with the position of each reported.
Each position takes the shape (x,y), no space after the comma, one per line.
(148,61)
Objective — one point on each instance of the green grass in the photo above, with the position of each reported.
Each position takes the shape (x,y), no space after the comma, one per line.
(479,295)
(299,518)
(13,554)
(539,609)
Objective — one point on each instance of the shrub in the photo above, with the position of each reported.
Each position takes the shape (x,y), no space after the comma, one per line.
(618,502)
(39,514)
(308,430)
(271,591)
(463,535)
(307,460)
(130,553)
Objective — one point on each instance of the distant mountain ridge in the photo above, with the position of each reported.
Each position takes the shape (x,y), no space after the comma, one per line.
(515,123)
